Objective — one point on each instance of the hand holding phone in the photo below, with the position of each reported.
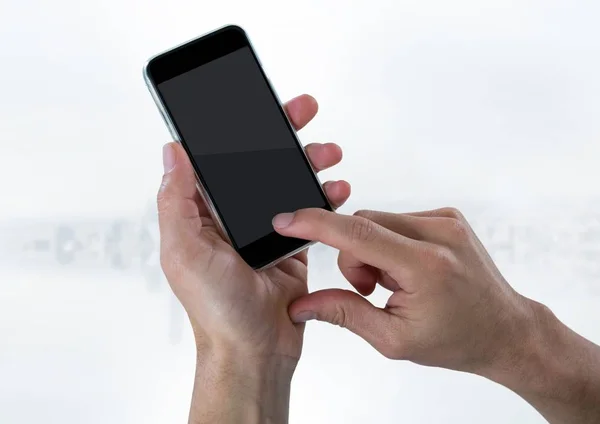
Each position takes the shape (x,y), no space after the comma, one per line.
(239,315)
(236,304)
(249,164)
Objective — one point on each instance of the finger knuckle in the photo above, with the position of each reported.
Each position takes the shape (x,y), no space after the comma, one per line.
(441,260)
(364,213)
(180,207)
(339,317)
(320,213)
(451,212)
(458,230)
(162,201)
(361,230)
(313,215)
(165,202)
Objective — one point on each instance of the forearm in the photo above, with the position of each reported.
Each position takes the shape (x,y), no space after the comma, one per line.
(232,389)
(554,369)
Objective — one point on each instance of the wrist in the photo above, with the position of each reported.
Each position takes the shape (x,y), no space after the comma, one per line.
(255,371)
(523,360)
(549,365)
(232,387)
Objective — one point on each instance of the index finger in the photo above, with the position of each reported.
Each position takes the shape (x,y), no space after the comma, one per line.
(365,240)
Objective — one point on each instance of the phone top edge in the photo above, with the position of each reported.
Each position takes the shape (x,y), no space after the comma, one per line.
(149,61)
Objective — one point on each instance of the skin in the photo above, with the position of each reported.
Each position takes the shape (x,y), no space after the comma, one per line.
(247,345)
(449,306)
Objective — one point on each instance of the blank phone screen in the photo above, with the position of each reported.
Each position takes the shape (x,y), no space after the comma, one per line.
(243,147)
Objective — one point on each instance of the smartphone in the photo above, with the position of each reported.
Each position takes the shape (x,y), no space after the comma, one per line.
(218,103)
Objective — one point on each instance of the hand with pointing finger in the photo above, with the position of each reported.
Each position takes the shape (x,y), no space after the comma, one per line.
(444,289)
(449,306)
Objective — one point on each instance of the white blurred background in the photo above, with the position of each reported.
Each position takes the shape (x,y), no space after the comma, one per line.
(490,106)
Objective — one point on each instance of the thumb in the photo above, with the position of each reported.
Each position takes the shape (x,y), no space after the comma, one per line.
(352,311)
(178,217)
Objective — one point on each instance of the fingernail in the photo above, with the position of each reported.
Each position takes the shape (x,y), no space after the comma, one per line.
(283,220)
(304,316)
(169,157)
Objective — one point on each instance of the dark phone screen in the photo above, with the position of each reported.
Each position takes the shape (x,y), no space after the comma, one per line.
(243,148)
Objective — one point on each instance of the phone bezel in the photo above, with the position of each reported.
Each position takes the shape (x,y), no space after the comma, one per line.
(272,248)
